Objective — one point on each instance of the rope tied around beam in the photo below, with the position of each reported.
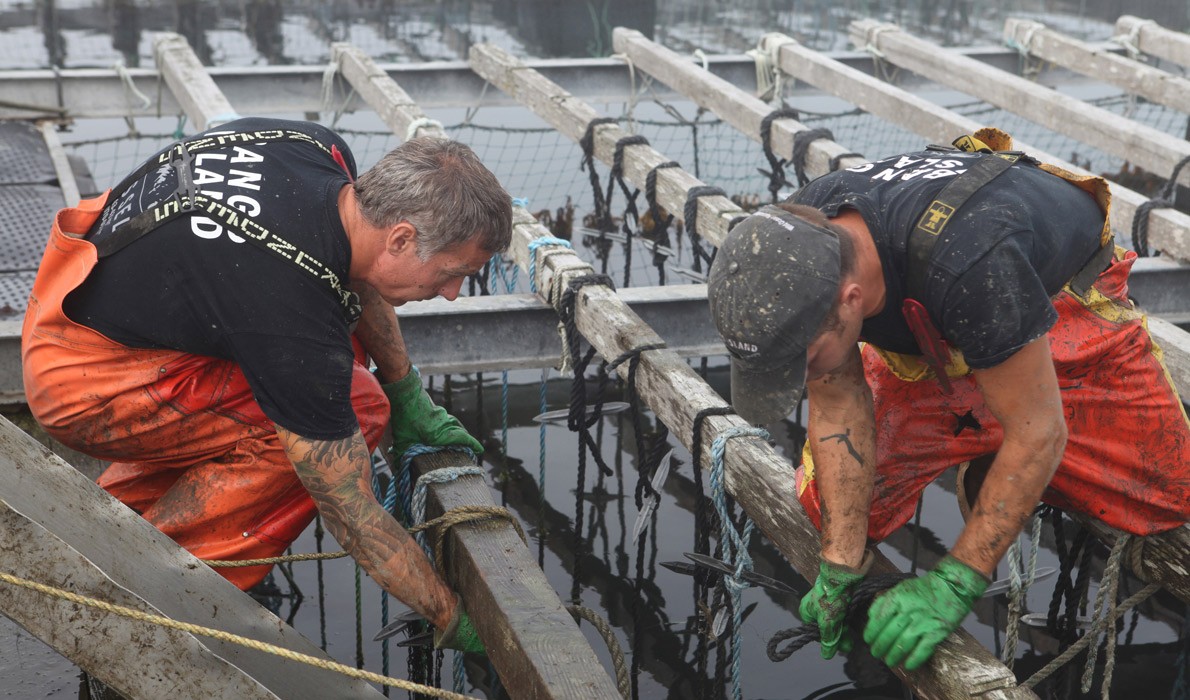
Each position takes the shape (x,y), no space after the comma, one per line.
(422,123)
(735,544)
(855,616)
(444,475)
(690,213)
(602,200)
(835,161)
(776,172)
(801,147)
(563,247)
(1165,199)
(1131,40)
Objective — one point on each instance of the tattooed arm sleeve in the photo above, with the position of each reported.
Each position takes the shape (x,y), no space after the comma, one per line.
(338,475)
(842,438)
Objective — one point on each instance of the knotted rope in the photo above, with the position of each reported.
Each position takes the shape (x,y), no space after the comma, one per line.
(1165,199)
(735,544)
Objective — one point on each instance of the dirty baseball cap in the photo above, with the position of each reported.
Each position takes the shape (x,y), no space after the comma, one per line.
(774,280)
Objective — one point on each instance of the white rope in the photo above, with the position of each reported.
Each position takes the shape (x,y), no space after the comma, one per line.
(702,58)
(630,113)
(422,123)
(130,88)
(328,82)
(767,56)
(1131,40)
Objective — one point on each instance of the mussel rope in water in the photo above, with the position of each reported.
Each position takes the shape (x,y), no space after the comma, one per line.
(776,173)
(644,489)
(660,232)
(703,522)
(496,269)
(578,421)
(1165,199)
(629,196)
(735,544)
(602,201)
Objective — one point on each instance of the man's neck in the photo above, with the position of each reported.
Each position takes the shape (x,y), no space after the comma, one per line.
(868,272)
(360,234)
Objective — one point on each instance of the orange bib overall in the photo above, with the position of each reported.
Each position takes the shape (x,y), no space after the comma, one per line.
(191,449)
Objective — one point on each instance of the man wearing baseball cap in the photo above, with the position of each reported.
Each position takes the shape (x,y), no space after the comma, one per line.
(996,326)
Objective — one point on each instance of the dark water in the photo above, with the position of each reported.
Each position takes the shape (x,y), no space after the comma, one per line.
(651,608)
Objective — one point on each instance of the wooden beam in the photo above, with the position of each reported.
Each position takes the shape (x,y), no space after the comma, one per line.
(1153,150)
(1169,229)
(732,104)
(1151,38)
(759,479)
(533,643)
(60,529)
(201,100)
(1162,558)
(1129,75)
(570,116)
(66,181)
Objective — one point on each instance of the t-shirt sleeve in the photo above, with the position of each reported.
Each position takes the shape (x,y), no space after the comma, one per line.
(998,306)
(302,384)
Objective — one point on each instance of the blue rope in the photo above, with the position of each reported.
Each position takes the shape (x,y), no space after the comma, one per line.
(458,672)
(533,246)
(496,271)
(522,202)
(735,544)
(438,476)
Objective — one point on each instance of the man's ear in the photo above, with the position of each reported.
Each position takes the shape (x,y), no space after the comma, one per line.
(851,294)
(400,237)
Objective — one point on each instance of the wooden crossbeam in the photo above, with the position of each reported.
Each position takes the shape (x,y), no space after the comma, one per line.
(1125,73)
(201,100)
(1141,145)
(1151,38)
(534,644)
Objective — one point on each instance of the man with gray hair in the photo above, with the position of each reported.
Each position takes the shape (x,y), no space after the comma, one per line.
(208,326)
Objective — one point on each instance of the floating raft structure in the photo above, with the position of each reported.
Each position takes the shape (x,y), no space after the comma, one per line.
(66,532)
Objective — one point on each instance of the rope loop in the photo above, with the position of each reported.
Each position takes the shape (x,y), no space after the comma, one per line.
(777,165)
(690,212)
(422,123)
(601,625)
(835,161)
(1165,199)
(801,147)
(437,476)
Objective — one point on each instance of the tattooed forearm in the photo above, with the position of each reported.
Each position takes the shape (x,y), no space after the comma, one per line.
(844,439)
(337,474)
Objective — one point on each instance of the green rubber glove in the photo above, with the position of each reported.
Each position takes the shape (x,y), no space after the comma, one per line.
(417,420)
(908,621)
(826,603)
(459,634)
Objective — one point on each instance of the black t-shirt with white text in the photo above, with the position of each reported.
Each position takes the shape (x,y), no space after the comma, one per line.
(193,286)
(1001,258)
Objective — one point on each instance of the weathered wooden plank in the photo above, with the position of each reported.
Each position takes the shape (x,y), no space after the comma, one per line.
(1175,347)
(533,643)
(570,116)
(66,181)
(1169,229)
(1151,38)
(1141,145)
(733,105)
(59,528)
(760,480)
(1131,76)
(200,99)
